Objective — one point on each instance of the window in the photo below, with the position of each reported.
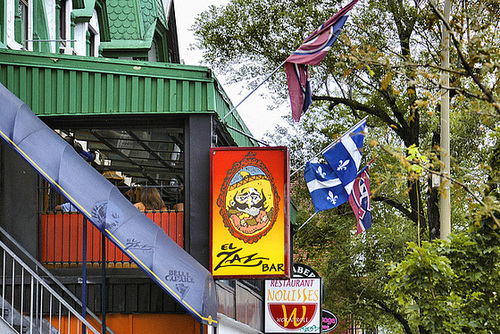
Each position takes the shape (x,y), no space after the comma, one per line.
(64,31)
(18,23)
(23,11)
(62,25)
(87,37)
(152,56)
(3,26)
(92,50)
(93,36)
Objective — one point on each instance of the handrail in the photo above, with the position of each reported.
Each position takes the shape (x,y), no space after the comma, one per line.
(39,281)
(39,266)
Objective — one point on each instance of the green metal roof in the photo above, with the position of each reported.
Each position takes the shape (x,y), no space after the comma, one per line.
(125,21)
(73,85)
(132,23)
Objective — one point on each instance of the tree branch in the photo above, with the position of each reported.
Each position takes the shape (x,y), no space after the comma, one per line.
(362,107)
(452,180)
(398,206)
(379,305)
(463,60)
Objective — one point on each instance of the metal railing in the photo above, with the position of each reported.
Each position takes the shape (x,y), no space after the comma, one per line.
(29,303)
(63,246)
(61,229)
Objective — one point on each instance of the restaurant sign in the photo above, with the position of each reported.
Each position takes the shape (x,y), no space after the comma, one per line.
(293,306)
(249,209)
(329,321)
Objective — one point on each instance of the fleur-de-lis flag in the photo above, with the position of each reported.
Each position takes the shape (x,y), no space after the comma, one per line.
(344,155)
(326,189)
(331,184)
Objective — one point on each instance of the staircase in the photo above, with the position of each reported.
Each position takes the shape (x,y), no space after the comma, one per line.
(22,324)
(29,302)
(5,328)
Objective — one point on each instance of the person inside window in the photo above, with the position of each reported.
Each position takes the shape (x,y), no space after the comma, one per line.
(180,206)
(66,207)
(150,199)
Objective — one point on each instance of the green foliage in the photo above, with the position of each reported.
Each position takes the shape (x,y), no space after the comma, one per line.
(416,159)
(386,64)
(451,286)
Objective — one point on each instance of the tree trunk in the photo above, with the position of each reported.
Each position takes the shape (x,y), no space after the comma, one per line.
(398,316)
(433,197)
(414,185)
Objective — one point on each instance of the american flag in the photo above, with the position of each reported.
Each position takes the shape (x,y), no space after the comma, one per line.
(311,52)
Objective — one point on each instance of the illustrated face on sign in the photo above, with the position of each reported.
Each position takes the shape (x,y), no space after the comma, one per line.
(247,205)
(249,199)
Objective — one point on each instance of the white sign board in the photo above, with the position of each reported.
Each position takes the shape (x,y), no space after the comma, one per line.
(293,306)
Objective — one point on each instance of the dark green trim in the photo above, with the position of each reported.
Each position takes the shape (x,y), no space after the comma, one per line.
(78,4)
(83,13)
(102,16)
(40,27)
(133,45)
(160,38)
(3,23)
(18,25)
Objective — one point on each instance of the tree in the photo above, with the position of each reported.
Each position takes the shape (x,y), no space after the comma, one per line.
(450,286)
(385,64)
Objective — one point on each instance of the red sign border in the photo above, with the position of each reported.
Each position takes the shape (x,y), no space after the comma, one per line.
(286,205)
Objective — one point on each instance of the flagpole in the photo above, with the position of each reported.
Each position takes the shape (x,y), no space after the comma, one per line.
(338,139)
(253,91)
(330,145)
(247,135)
(333,21)
(307,221)
(445,216)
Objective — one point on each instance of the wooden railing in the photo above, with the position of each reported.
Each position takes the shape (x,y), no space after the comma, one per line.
(61,239)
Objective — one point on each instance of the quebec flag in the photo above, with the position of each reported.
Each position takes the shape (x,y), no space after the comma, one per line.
(344,156)
(327,191)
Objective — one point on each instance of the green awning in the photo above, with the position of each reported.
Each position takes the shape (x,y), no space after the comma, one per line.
(58,85)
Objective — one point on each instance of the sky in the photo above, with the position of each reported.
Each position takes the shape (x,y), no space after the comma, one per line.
(253,110)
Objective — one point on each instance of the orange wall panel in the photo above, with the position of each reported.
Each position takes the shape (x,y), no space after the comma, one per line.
(62,233)
(138,324)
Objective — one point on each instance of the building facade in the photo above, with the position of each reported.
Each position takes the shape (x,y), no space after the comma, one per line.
(105,75)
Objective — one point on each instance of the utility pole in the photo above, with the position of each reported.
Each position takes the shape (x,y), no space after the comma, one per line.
(445,212)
